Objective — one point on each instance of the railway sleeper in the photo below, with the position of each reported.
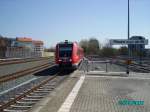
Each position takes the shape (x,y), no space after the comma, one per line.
(31,99)
(25,102)
(35,96)
(40,94)
(13,110)
(20,106)
(49,87)
(44,89)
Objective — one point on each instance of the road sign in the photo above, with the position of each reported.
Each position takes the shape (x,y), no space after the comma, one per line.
(126,41)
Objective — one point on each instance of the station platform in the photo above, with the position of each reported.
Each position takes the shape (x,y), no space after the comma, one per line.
(91,92)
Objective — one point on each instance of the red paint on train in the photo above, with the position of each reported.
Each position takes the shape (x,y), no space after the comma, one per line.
(68,54)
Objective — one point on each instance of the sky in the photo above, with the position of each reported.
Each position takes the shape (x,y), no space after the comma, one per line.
(53,21)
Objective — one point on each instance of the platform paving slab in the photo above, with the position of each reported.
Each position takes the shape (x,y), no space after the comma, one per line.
(103,93)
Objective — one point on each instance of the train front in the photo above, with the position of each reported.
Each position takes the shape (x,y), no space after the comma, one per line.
(63,54)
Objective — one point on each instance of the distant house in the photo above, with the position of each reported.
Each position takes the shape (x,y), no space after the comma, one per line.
(38,47)
(23,42)
(23,47)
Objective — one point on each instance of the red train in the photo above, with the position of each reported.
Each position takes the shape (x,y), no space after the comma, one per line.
(68,54)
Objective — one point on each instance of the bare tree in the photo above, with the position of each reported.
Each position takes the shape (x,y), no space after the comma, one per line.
(91,46)
(84,44)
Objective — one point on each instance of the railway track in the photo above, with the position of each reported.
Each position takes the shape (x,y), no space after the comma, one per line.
(17,61)
(22,102)
(136,67)
(139,68)
(21,98)
(22,73)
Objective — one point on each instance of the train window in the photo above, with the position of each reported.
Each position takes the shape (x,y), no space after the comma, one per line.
(65,51)
(65,48)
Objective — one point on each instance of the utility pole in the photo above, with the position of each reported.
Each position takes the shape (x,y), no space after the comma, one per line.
(128,36)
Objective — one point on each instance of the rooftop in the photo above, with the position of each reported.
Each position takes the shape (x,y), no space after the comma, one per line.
(37,42)
(24,39)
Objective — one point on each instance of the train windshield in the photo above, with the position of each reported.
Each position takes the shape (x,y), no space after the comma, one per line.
(65,50)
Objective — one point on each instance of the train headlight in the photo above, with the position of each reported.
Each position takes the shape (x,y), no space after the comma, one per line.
(70,59)
(59,60)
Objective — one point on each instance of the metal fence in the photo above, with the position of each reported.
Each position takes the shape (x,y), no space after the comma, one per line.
(14,52)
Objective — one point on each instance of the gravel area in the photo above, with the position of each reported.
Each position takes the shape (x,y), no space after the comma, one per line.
(10,84)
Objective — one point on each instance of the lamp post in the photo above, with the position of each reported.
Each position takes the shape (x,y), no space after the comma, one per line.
(128,36)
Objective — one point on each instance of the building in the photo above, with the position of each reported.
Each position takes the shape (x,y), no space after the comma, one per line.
(23,42)
(38,47)
(23,47)
(20,48)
